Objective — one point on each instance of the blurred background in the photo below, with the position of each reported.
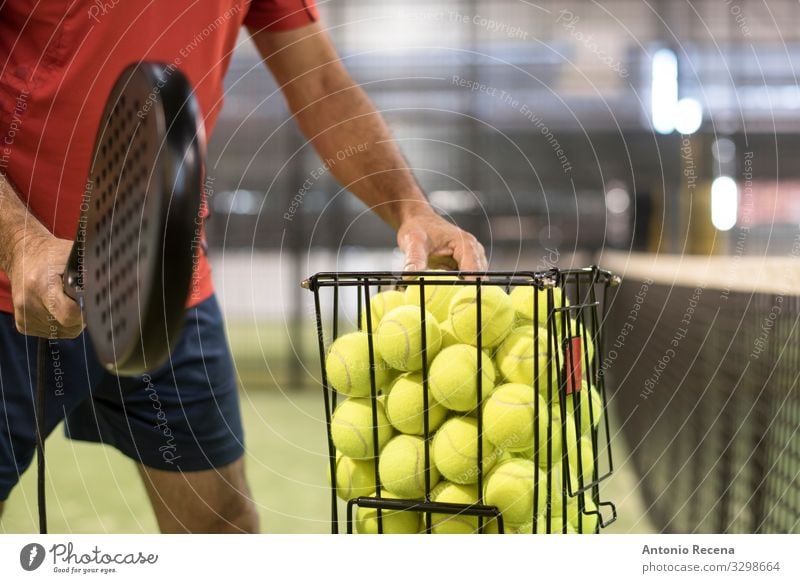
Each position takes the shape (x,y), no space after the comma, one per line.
(561,134)
(550,130)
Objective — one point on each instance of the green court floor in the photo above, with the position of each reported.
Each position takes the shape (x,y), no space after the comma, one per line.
(93,488)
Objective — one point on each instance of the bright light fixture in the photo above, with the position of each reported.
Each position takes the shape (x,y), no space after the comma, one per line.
(724,203)
(617,200)
(688,116)
(664,90)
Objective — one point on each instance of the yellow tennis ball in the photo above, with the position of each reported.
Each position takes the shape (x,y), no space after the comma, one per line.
(582,515)
(437,297)
(556,527)
(562,434)
(523,354)
(508,417)
(587,407)
(405,406)
(399,338)
(391,377)
(448,337)
(402,467)
(379,305)
(454,523)
(559,488)
(522,298)
(453,377)
(348,368)
(551,444)
(588,346)
(351,428)
(585,467)
(354,478)
(497,315)
(393,521)
(507,455)
(510,487)
(455,451)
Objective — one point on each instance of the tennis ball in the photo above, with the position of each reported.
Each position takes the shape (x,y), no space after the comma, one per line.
(455,451)
(586,466)
(556,527)
(526,454)
(510,487)
(588,346)
(508,417)
(402,467)
(559,434)
(588,406)
(508,455)
(437,297)
(497,315)
(393,521)
(558,489)
(351,428)
(379,305)
(354,477)
(404,405)
(555,439)
(448,337)
(585,521)
(391,377)
(347,366)
(454,523)
(399,338)
(516,354)
(453,377)
(522,300)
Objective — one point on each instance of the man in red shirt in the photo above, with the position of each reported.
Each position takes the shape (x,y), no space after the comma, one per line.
(181,424)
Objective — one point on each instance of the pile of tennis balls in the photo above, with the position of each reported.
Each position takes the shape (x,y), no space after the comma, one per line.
(511,347)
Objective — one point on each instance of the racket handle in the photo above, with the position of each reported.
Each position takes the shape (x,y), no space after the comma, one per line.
(72,277)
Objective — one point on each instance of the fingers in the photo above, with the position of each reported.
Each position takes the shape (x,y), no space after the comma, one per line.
(469,253)
(442,262)
(41,308)
(66,312)
(49,315)
(65,317)
(38,323)
(416,247)
(433,242)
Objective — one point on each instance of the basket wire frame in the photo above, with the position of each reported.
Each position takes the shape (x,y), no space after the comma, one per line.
(581,285)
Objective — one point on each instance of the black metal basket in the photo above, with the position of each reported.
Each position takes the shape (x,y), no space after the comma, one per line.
(573,320)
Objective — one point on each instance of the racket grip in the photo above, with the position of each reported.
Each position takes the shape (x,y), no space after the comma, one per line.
(72,278)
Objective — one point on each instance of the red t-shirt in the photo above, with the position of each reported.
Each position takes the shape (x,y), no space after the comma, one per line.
(58,62)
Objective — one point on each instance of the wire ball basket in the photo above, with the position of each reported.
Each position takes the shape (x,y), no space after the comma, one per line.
(474,401)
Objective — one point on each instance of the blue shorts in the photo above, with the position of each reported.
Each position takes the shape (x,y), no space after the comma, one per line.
(183,416)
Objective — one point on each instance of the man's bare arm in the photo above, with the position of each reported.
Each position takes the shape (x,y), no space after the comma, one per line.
(339,119)
(34,260)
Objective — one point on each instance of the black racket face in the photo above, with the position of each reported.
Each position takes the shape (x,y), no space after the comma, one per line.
(139,218)
(121,229)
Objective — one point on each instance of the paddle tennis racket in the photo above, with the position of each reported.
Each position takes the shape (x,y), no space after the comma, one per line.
(131,265)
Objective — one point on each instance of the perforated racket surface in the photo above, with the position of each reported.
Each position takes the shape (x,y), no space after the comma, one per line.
(131,265)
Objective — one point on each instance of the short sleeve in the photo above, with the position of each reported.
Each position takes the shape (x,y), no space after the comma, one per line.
(275,15)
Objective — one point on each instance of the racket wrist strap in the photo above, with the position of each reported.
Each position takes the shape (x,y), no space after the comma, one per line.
(41,431)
